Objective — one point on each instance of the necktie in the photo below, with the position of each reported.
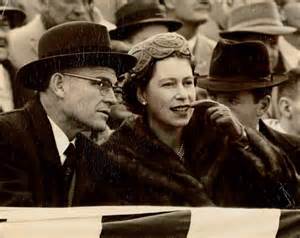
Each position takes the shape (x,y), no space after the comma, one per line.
(68,173)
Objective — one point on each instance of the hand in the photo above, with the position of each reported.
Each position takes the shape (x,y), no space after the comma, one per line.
(221,117)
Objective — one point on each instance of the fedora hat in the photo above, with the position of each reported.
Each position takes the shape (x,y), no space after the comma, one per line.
(261,17)
(237,66)
(136,14)
(71,45)
(14,15)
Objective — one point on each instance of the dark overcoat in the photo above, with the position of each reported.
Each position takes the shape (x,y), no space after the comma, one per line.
(30,169)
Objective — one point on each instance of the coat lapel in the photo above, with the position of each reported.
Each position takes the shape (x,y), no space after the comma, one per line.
(42,130)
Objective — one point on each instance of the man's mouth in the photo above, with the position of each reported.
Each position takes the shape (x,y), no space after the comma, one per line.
(105,112)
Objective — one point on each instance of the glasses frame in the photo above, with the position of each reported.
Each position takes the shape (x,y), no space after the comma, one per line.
(98,80)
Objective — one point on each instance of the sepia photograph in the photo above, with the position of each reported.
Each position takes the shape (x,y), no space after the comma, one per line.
(149,118)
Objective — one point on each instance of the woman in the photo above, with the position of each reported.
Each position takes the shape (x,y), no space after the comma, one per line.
(173,154)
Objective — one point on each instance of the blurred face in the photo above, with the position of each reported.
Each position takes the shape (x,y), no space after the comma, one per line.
(292,12)
(87,102)
(170,93)
(145,32)
(295,114)
(4,28)
(196,11)
(241,103)
(61,11)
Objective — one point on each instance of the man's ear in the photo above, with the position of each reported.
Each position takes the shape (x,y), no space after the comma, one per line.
(141,97)
(170,4)
(263,105)
(56,85)
(285,107)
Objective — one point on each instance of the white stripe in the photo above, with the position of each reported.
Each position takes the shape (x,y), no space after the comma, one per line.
(234,223)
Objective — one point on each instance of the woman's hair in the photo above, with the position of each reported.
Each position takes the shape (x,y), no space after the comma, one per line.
(148,52)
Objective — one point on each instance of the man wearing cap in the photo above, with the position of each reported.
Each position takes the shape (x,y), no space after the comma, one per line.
(261,21)
(42,155)
(240,78)
(10,17)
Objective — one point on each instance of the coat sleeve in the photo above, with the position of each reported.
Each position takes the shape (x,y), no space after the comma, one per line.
(14,178)
(274,172)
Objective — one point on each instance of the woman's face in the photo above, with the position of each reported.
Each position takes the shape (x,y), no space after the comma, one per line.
(170,93)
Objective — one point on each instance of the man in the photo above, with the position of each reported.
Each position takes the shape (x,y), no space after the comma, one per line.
(10,17)
(261,21)
(23,41)
(240,78)
(74,76)
(193,13)
(288,105)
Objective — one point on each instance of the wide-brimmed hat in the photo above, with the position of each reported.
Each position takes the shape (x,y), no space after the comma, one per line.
(14,15)
(237,66)
(71,45)
(136,14)
(262,17)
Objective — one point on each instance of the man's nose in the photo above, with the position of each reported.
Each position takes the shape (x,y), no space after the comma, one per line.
(110,98)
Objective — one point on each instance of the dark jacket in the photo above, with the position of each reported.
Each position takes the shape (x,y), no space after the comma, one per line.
(134,168)
(30,169)
(288,143)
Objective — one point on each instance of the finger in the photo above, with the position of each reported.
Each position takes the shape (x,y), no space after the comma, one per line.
(205,103)
(212,110)
(216,115)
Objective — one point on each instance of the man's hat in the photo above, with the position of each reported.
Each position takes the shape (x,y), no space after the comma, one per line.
(136,14)
(262,17)
(237,66)
(72,45)
(14,15)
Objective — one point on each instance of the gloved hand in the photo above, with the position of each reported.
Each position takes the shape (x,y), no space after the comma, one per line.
(221,117)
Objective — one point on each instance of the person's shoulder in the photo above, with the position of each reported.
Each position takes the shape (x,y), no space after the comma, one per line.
(277,137)
(202,39)
(13,121)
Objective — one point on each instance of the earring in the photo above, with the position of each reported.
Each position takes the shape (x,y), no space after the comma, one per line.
(144,103)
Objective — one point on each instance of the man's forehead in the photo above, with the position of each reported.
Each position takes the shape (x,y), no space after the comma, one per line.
(94,71)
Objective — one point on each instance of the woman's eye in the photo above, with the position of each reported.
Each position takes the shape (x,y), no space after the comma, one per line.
(168,84)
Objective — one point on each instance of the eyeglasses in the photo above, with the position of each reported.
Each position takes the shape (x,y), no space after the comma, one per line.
(104,85)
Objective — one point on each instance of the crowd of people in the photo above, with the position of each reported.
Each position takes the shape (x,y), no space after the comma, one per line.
(178,103)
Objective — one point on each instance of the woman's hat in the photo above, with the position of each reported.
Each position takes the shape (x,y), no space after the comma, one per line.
(14,15)
(72,45)
(237,66)
(136,14)
(262,17)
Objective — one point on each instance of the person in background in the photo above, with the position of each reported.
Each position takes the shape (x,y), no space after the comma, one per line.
(136,21)
(291,13)
(245,86)
(261,21)
(183,152)
(42,151)
(288,104)
(10,17)
(23,41)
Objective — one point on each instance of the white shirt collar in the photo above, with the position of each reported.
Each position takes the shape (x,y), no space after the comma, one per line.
(61,140)
(192,43)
